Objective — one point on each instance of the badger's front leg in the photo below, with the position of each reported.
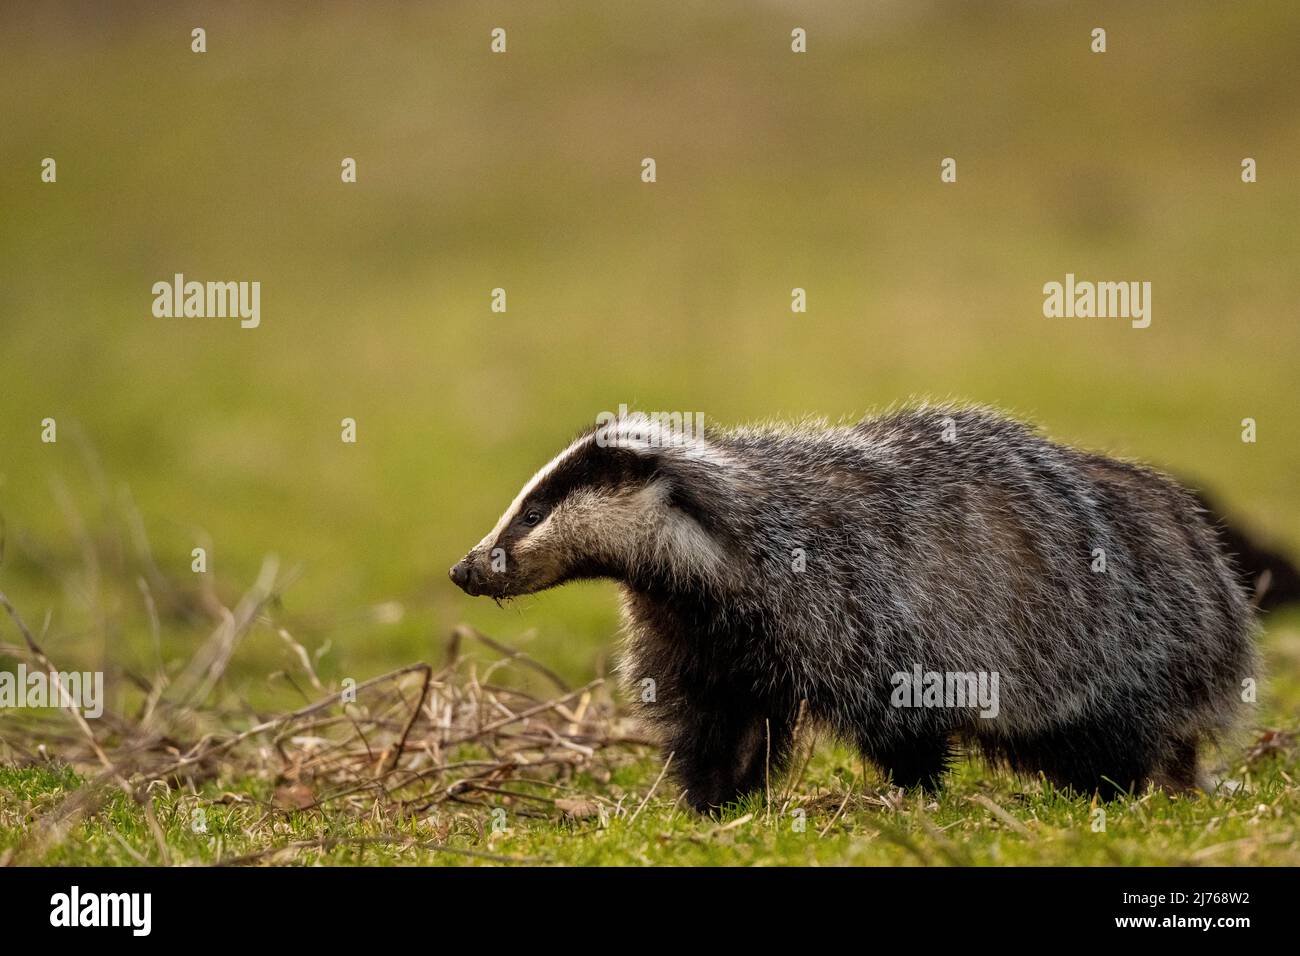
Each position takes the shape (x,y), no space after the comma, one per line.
(720,754)
(717,756)
(723,737)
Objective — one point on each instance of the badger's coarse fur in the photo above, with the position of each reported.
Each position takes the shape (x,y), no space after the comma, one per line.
(767,567)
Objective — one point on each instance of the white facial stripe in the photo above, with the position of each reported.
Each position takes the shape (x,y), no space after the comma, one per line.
(490,540)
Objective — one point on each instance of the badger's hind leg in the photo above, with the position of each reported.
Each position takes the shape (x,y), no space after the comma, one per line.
(1177,772)
(919,761)
(1103,755)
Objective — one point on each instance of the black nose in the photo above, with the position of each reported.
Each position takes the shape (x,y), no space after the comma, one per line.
(460,574)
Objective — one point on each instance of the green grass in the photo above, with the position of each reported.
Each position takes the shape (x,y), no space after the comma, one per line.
(876,827)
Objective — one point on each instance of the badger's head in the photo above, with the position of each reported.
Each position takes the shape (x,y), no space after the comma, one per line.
(628,500)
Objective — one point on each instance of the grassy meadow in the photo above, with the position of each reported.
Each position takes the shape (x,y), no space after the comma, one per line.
(521,171)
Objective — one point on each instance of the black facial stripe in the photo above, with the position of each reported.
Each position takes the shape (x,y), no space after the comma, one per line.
(589,467)
(595,467)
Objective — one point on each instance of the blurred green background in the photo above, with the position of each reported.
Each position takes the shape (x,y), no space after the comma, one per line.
(522,171)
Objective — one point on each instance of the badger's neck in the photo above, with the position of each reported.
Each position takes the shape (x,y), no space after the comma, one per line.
(686,573)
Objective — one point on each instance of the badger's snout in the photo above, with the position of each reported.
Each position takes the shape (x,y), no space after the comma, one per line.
(467,575)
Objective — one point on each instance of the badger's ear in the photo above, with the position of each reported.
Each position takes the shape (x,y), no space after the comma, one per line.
(646,434)
(695,475)
(666,438)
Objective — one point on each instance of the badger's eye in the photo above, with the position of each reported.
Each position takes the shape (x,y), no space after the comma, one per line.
(532,516)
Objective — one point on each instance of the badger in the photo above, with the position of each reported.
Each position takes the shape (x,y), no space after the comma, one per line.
(843,574)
